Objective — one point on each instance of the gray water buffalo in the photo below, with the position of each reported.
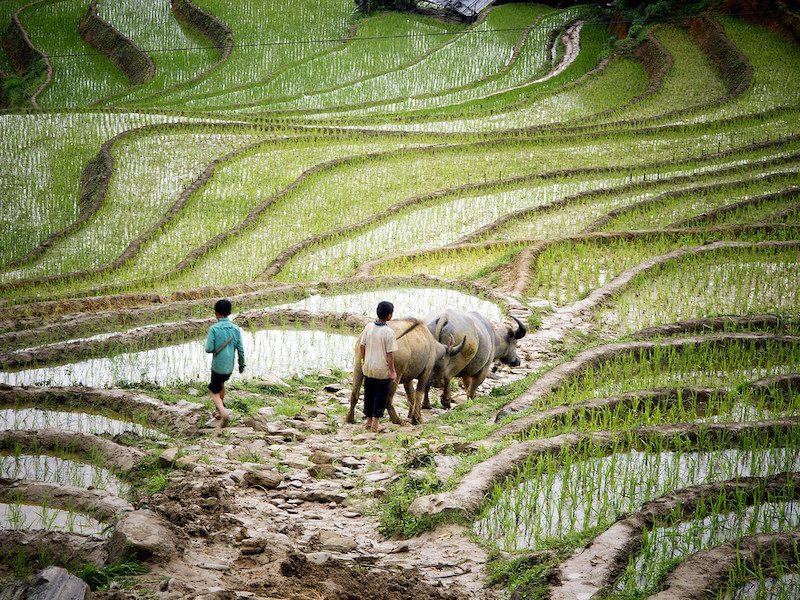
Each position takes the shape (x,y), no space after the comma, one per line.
(418,353)
(483,344)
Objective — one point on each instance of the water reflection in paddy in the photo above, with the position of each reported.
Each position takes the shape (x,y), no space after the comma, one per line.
(408,302)
(37,517)
(592,491)
(786,587)
(269,352)
(30,419)
(52,469)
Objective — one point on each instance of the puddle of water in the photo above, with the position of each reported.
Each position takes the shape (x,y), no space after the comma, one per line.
(30,419)
(278,352)
(52,469)
(41,517)
(597,490)
(416,302)
(786,587)
(664,545)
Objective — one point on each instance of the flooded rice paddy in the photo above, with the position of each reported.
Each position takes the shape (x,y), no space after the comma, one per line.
(663,545)
(408,302)
(274,352)
(53,469)
(31,419)
(20,517)
(590,492)
(786,587)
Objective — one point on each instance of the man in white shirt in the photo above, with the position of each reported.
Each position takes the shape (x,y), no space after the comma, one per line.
(378,345)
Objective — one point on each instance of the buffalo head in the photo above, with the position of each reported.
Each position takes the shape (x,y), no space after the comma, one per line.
(508,351)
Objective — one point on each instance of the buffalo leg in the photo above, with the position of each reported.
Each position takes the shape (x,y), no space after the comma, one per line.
(413,403)
(474,382)
(390,404)
(358,378)
(426,401)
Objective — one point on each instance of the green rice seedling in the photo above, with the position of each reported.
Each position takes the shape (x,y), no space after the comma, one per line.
(368,54)
(55,147)
(161,165)
(482,51)
(178,53)
(555,495)
(693,80)
(313,23)
(679,208)
(744,281)
(773,59)
(774,579)
(703,365)
(675,540)
(80,73)
(66,471)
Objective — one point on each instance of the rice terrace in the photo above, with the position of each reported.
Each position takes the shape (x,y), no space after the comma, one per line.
(601,202)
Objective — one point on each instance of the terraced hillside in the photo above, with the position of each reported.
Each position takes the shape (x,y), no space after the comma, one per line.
(633,203)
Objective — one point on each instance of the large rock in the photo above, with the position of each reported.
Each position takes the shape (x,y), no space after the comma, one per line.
(335,542)
(141,535)
(53,583)
(265,478)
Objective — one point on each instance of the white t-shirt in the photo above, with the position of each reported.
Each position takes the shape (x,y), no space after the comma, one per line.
(377,341)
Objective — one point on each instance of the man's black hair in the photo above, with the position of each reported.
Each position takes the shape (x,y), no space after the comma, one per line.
(223,307)
(385,309)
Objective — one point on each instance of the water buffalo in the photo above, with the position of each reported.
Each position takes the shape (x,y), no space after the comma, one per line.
(483,344)
(416,356)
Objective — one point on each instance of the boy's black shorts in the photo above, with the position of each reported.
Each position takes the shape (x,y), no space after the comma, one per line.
(217,379)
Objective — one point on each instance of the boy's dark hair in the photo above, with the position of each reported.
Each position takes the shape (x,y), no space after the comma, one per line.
(223,307)
(385,309)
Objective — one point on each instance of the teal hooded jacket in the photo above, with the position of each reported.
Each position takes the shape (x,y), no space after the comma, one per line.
(219,333)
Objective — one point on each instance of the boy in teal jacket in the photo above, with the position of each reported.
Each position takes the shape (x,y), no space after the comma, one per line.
(224,338)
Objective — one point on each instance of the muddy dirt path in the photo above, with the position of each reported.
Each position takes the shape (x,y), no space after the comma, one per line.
(305,521)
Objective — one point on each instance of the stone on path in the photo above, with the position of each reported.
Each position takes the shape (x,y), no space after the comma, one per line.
(53,583)
(266,478)
(140,535)
(335,542)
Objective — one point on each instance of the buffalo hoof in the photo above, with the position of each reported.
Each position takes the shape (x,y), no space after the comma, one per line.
(351,418)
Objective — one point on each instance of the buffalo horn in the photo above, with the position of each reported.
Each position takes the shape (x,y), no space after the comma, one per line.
(521,331)
(453,350)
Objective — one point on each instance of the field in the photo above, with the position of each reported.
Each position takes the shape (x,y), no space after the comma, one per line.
(633,202)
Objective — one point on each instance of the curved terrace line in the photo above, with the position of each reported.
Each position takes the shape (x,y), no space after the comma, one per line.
(351,36)
(695,221)
(143,309)
(173,332)
(605,292)
(116,456)
(468,496)
(118,48)
(645,184)
(287,254)
(735,68)
(723,323)
(135,246)
(24,59)
(524,266)
(662,397)
(537,246)
(709,569)
(594,569)
(406,65)
(182,418)
(101,504)
(554,378)
(655,59)
(95,181)
(730,208)
(209,26)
